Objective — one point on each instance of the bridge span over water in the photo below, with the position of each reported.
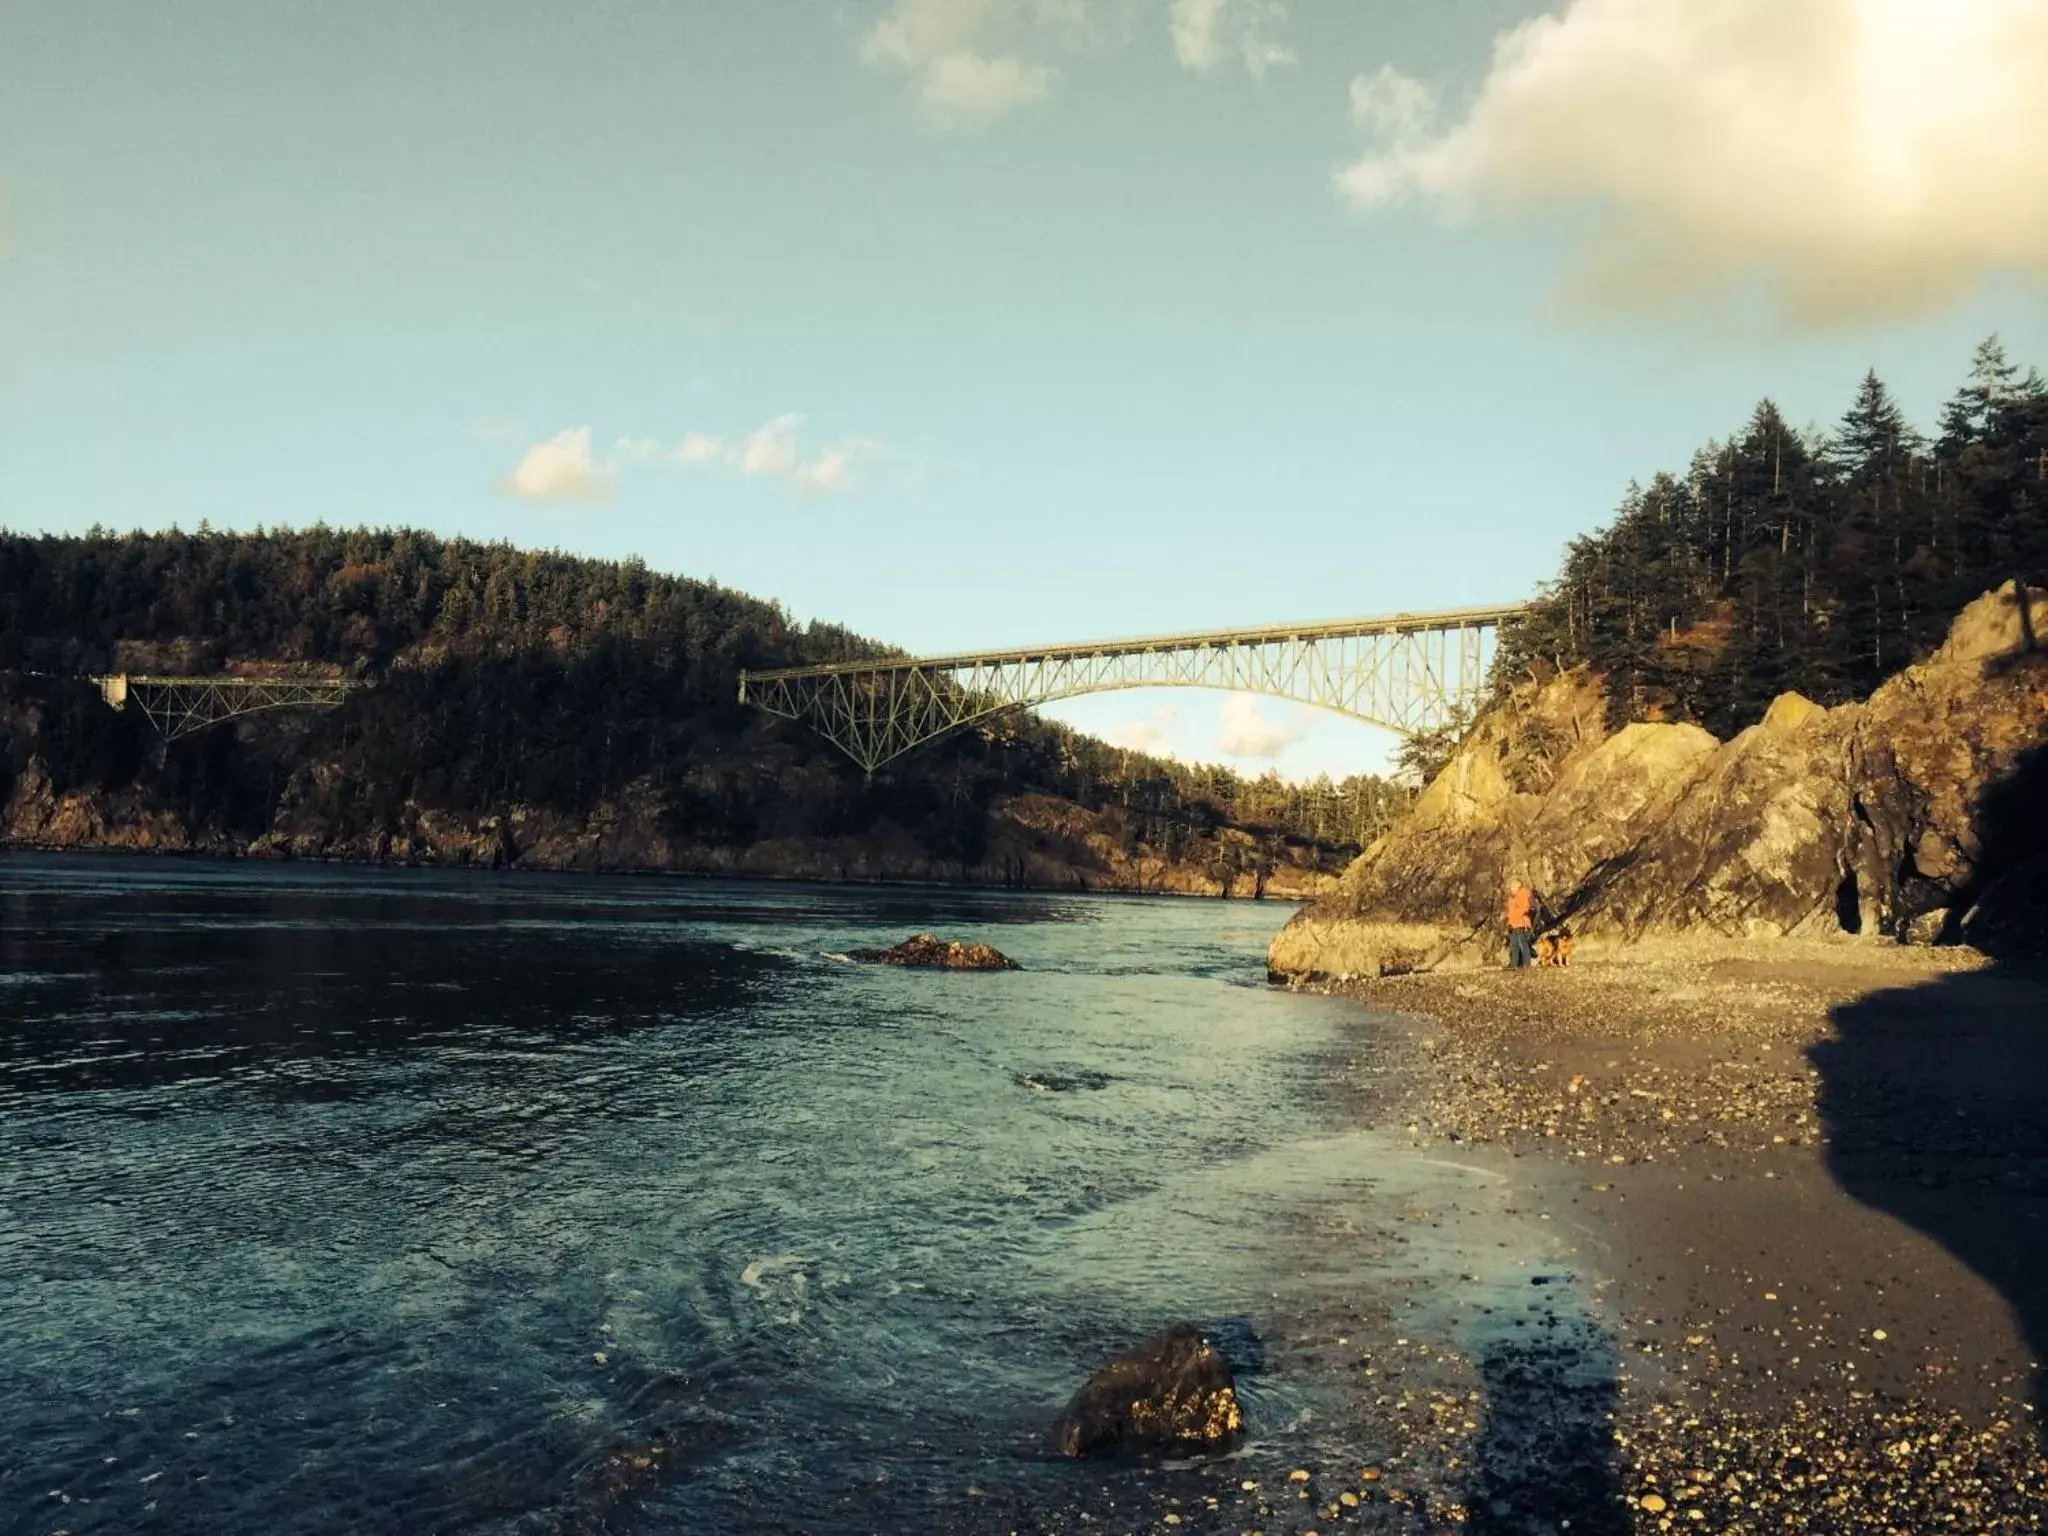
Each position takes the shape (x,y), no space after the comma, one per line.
(1406,672)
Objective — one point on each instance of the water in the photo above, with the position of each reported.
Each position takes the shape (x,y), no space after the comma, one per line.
(357,1200)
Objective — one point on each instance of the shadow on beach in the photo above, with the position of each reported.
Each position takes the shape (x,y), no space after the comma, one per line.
(1546,1458)
(1933,1095)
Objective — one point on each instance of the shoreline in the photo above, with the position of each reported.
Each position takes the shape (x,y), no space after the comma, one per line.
(1764,1266)
(1804,1187)
(227,857)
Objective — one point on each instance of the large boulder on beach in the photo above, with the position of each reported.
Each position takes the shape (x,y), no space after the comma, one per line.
(1895,816)
(923,951)
(1172,1392)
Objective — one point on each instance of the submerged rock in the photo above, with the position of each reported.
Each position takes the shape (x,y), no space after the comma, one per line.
(923,951)
(1062,1082)
(1172,1391)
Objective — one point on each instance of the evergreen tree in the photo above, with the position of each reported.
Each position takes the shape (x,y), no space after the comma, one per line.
(1779,562)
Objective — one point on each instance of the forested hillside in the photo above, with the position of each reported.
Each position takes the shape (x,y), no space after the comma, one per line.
(1817,563)
(519,679)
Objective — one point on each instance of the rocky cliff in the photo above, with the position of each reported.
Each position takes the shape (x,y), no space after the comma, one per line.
(1028,841)
(1920,814)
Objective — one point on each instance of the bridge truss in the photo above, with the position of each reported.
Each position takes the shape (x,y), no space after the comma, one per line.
(1407,672)
(177,706)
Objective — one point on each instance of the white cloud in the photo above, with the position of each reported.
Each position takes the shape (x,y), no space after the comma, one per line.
(960,56)
(1149,735)
(917,31)
(1247,732)
(1207,32)
(970,62)
(560,469)
(1859,159)
(826,473)
(772,451)
(1396,107)
(965,88)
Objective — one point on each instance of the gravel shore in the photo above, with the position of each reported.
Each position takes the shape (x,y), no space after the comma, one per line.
(1803,1188)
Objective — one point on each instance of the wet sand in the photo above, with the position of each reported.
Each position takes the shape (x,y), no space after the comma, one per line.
(1804,1188)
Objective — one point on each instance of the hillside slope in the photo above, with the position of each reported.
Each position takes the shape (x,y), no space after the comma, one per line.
(1920,813)
(539,710)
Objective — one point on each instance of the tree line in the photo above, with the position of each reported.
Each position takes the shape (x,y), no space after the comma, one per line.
(510,676)
(1819,562)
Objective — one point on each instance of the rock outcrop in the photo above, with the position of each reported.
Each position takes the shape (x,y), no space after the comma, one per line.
(924,952)
(1906,815)
(1174,1391)
(1028,841)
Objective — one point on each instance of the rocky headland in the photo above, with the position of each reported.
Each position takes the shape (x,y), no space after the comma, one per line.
(1915,815)
(1782,1110)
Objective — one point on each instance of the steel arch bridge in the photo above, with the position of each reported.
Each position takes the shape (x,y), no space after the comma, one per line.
(1407,672)
(177,706)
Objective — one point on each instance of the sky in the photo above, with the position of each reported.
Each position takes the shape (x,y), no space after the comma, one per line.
(971,323)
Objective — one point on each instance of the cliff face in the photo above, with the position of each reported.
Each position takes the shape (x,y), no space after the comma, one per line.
(1916,814)
(1028,841)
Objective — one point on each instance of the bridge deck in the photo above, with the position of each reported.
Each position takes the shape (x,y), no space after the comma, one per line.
(230,680)
(1271,634)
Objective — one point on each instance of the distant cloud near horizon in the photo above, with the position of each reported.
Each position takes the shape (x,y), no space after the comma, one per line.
(1151,735)
(1246,732)
(560,469)
(1854,160)
(771,451)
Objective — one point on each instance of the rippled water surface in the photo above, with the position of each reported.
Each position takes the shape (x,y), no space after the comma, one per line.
(353,1200)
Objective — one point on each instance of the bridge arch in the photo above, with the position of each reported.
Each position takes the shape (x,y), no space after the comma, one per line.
(1403,672)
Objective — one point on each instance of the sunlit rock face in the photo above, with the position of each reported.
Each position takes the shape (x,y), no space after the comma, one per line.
(1898,816)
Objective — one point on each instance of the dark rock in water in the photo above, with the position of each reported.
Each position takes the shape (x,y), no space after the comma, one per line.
(1062,1082)
(1173,1391)
(927,953)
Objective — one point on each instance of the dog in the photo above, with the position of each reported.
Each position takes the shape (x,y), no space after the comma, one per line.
(1555,948)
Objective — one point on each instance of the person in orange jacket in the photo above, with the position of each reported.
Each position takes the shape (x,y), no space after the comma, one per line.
(1521,921)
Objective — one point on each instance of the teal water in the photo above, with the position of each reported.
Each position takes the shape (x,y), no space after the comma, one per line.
(340,1199)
